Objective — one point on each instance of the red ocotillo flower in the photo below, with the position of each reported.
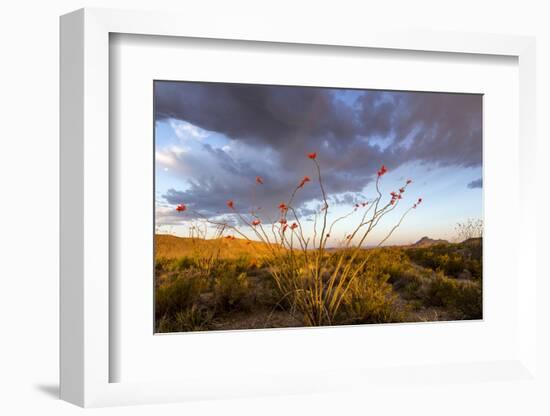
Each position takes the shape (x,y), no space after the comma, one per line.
(304,181)
(259,180)
(293,226)
(285,227)
(409,181)
(312,155)
(256,222)
(382,170)
(283,221)
(419,200)
(230,204)
(181,207)
(401,190)
(283,207)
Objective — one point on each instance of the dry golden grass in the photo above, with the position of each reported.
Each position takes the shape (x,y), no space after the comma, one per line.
(199,290)
(172,247)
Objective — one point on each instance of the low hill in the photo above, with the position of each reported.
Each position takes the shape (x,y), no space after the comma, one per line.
(170,247)
(427,242)
(475,241)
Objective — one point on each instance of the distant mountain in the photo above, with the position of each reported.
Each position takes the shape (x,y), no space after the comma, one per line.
(427,242)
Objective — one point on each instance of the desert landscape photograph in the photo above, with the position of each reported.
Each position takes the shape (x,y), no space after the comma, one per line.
(290,206)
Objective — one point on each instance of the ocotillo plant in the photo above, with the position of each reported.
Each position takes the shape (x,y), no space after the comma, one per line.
(311,281)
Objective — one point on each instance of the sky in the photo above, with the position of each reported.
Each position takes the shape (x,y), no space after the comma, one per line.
(213,139)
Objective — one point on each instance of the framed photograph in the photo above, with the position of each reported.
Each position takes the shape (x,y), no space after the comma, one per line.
(281,212)
(286,206)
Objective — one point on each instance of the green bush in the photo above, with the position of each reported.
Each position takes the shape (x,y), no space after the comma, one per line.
(412,283)
(161,265)
(464,297)
(185,263)
(450,259)
(179,295)
(231,291)
(371,300)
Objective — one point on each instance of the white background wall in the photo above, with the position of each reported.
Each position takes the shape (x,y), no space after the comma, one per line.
(29,56)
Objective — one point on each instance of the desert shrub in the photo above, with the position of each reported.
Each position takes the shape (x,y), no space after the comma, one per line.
(265,291)
(474,248)
(242,264)
(475,267)
(471,228)
(164,324)
(450,259)
(185,263)
(231,290)
(371,300)
(388,260)
(167,265)
(191,318)
(432,257)
(181,294)
(464,297)
(162,265)
(404,276)
(410,282)
(451,264)
(230,267)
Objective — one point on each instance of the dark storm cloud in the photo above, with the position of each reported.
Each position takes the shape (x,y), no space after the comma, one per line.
(478,183)
(442,128)
(255,113)
(352,136)
(222,177)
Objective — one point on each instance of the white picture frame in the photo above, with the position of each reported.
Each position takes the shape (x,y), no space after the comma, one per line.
(85,217)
